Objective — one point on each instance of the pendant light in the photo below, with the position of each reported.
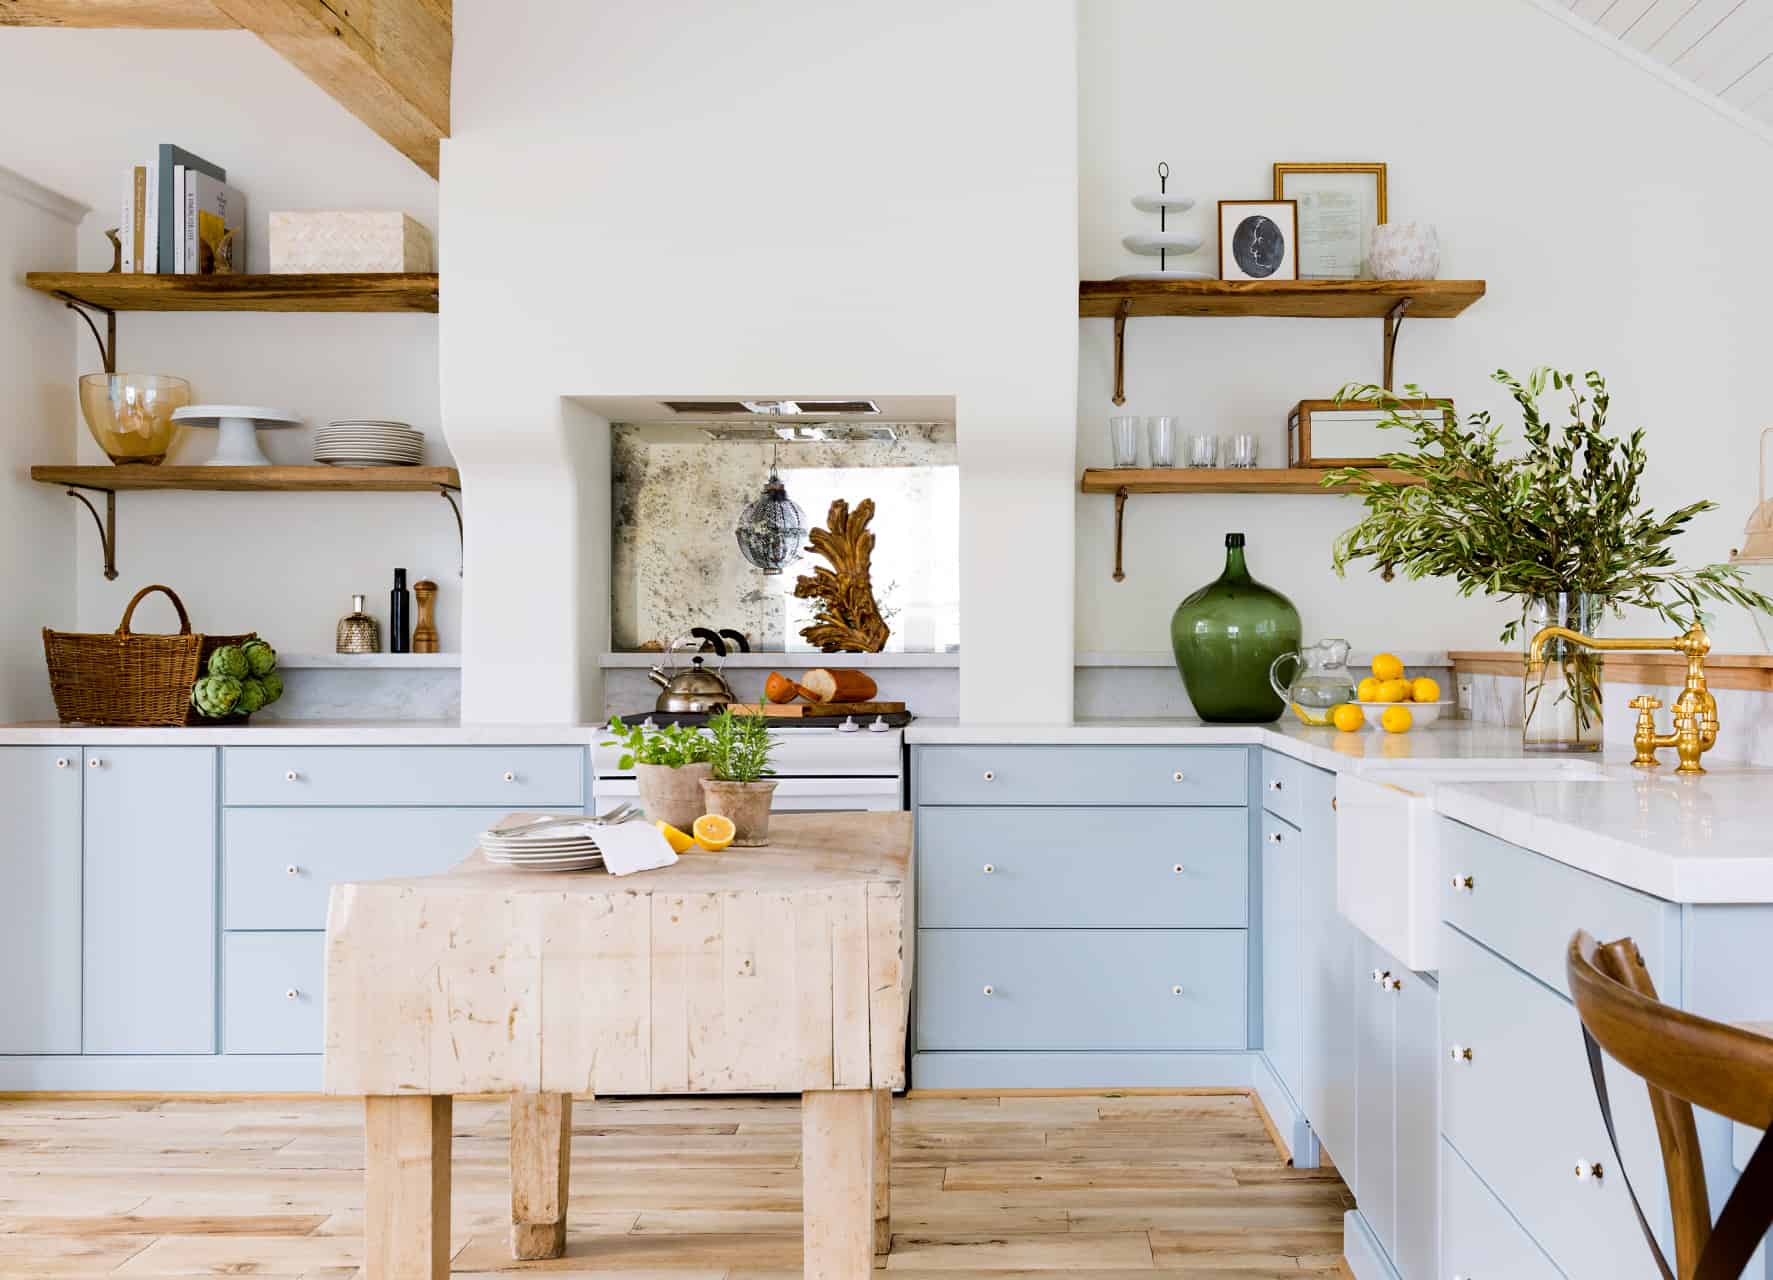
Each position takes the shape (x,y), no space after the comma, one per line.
(772,528)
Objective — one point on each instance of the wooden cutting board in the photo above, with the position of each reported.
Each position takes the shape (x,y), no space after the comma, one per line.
(802,710)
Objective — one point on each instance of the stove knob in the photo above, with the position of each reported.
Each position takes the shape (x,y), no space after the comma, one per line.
(879,725)
(849,725)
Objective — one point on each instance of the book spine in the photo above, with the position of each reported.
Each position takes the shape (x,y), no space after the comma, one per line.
(139,213)
(190,230)
(151,220)
(126,220)
(175,219)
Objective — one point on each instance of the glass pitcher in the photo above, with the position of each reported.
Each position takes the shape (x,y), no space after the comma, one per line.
(1320,680)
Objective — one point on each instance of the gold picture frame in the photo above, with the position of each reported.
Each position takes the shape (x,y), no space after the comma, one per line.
(1337,217)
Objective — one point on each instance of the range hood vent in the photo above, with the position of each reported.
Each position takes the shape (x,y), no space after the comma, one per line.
(770,408)
(707,406)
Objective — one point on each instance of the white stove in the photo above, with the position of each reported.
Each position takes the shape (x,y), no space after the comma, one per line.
(818,769)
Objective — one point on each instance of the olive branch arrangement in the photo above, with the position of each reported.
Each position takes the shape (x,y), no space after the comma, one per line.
(1565,516)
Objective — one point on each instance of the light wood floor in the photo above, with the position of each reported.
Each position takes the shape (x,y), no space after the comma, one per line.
(1101,1187)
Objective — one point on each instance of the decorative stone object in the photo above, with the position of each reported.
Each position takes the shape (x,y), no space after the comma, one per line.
(1405,251)
(332,241)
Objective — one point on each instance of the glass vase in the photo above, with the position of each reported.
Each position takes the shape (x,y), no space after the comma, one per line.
(1227,636)
(1561,698)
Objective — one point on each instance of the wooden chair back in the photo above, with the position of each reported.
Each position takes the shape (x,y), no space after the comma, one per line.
(1683,1060)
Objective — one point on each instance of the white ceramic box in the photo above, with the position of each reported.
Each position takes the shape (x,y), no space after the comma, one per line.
(330,241)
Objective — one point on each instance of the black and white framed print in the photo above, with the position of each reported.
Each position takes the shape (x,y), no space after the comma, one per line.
(1258,240)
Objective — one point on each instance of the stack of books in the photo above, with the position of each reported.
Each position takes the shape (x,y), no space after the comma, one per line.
(181,217)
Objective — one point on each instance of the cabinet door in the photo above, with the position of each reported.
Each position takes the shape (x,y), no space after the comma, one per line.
(1375,1184)
(1416,1018)
(40,910)
(1281,1013)
(149,975)
(1331,980)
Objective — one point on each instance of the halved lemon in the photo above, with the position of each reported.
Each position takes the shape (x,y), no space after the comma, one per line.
(673,837)
(714,832)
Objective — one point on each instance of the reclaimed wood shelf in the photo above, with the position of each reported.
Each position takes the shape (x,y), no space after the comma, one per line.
(360,291)
(112,480)
(1122,482)
(1669,670)
(1387,300)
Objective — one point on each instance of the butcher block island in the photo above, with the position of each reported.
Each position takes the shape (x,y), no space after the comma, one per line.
(784,969)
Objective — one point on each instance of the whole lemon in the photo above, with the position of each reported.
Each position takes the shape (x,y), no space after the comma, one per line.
(1347,717)
(1388,666)
(1394,691)
(1367,690)
(1422,689)
(1395,719)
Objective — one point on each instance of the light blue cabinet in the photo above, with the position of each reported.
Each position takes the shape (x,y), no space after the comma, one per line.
(149,899)
(40,908)
(1283,972)
(1081,775)
(272,988)
(1375,1178)
(1332,954)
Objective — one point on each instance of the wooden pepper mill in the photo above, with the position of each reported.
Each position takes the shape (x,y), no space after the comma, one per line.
(424,634)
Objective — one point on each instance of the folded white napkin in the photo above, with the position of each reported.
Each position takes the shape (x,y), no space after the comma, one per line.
(628,847)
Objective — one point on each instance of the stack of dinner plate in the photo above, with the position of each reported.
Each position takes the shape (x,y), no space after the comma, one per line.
(553,848)
(363,442)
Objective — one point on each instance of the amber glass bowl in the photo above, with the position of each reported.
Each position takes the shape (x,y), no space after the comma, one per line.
(130,414)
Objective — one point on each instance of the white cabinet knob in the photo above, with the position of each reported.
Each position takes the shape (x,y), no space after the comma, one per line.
(509,776)
(1175,991)
(1394,984)
(1587,1172)
(95,763)
(1275,784)
(1379,976)
(291,776)
(1178,869)
(1176,776)
(291,994)
(989,775)
(1463,884)
(1459,1052)
(292,870)
(988,868)
(988,989)
(61,762)
(1274,837)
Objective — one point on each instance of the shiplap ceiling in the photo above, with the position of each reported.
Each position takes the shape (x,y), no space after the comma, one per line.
(1720,47)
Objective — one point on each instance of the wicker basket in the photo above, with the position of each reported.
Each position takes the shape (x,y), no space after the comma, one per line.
(124,679)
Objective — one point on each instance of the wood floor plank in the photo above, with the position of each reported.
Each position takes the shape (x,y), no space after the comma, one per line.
(1128,1250)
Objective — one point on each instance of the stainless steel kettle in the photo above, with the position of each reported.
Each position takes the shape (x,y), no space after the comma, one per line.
(695,688)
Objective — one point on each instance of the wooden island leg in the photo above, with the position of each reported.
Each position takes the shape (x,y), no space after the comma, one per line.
(843,1185)
(406,1192)
(883,1175)
(541,1161)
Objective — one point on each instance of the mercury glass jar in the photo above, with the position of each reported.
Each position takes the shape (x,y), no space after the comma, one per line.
(358,632)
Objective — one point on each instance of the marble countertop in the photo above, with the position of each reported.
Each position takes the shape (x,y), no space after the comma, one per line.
(1687,839)
(285,733)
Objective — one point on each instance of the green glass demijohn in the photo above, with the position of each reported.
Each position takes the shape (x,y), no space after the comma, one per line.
(1226,636)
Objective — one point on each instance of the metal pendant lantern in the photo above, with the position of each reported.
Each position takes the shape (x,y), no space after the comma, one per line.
(772,529)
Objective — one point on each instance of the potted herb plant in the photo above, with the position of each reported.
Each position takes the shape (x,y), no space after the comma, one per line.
(741,789)
(670,765)
(1561,527)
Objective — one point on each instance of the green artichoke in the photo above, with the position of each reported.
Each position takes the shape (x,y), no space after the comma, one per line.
(272,683)
(229,660)
(252,695)
(217,696)
(260,657)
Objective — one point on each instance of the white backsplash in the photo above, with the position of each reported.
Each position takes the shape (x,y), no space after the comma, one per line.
(371,693)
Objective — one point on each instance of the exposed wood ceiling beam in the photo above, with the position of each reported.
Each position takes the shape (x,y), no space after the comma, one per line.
(387,62)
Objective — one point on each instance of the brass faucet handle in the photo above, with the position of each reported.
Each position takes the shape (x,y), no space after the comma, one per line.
(1644,702)
(1643,739)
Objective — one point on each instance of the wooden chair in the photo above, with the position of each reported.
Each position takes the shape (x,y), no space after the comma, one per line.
(1684,1060)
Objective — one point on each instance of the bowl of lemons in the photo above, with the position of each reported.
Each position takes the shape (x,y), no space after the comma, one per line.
(1391,700)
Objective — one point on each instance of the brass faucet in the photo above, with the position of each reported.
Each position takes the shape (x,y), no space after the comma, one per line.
(1695,710)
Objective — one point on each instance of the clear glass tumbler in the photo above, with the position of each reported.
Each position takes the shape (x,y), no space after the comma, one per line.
(1241,449)
(1160,436)
(1123,434)
(1203,450)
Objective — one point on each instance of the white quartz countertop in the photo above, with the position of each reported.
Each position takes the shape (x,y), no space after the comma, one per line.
(286,733)
(1687,839)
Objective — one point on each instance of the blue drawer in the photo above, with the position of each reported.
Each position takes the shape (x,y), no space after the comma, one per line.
(279,865)
(1282,786)
(272,992)
(1072,989)
(511,777)
(1478,1236)
(1505,878)
(1081,775)
(1082,868)
(1522,1112)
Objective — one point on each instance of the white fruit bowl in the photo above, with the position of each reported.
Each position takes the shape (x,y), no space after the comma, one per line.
(1421,713)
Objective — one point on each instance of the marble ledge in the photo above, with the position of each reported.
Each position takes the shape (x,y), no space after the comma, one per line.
(287,733)
(368,661)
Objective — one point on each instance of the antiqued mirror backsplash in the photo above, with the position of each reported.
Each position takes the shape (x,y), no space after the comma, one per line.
(681,496)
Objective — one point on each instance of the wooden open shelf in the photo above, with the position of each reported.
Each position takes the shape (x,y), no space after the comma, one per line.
(1310,299)
(1220,480)
(315,479)
(362,291)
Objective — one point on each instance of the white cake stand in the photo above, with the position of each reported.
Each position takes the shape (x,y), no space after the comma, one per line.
(239,424)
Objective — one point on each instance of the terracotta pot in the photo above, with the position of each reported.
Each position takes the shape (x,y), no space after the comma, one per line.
(673,795)
(747,804)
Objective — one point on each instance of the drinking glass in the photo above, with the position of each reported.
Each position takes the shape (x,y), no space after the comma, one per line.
(1161,435)
(1240,450)
(1123,433)
(1203,450)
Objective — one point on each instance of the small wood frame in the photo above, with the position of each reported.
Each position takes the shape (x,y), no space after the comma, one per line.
(849,620)
(1301,446)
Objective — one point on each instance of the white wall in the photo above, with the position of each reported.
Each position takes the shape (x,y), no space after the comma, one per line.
(36,535)
(87,105)
(1616,219)
(789,197)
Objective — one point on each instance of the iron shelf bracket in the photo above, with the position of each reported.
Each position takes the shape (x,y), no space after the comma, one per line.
(107,343)
(449,493)
(1120,350)
(1394,325)
(107,526)
(1120,513)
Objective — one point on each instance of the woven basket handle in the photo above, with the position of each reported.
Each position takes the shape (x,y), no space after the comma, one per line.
(170,594)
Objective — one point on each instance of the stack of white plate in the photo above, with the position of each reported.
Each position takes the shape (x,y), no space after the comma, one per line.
(363,442)
(552,849)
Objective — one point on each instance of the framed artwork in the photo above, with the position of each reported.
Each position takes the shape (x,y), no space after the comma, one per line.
(1258,240)
(1339,206)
